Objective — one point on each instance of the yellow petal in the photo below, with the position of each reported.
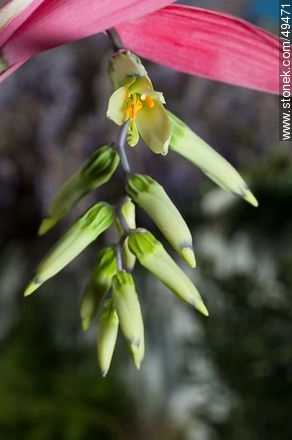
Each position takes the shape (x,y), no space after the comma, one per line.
(155,95)
(141,85)
(115,110)
(153,125)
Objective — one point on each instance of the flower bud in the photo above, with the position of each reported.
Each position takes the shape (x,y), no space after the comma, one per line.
(148,194)
(127,306)
(124,66)
(96,171)
(186,143)
(128,211)
(125,222)
(152,255)
(107,335)
(98,284)
(85,230)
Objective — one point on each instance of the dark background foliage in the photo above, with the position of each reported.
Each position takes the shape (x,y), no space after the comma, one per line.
(227,377)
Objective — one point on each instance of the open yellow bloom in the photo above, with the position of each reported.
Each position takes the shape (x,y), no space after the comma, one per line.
(137,102)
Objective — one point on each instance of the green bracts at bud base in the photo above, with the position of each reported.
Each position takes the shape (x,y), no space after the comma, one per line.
(151,197)
(124,66)
(128,212)
(96,171)
(98,284)
(186,143)
(107,335)
(127,306)
(152,255)
(85,230)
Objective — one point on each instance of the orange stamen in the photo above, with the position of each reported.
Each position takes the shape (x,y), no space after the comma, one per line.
(133,107)
(150,101)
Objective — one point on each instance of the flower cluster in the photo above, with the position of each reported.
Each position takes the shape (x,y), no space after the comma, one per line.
(110,291)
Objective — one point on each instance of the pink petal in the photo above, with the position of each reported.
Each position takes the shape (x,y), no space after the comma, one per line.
(56,22)
(208,44)
(13,13)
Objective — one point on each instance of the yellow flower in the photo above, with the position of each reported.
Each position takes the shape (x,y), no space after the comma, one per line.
(137,102)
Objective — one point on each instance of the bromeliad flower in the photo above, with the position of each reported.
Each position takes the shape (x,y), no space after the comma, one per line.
(190,39)
(135,101)
(193,40)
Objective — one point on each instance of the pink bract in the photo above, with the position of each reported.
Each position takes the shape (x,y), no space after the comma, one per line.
(188,39)
(208,44)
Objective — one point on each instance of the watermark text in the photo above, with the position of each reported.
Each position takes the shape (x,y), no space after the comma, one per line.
(285,70)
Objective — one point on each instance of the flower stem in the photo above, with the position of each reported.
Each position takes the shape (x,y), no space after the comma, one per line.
(115,39)
(121,147)
(119,257)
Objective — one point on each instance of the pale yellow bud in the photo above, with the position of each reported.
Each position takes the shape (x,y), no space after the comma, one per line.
(85,230)
(107,335)
(125,221)
(148,194)
(97,170)
(98,284)
(189,145)
(152,255)
(128,308)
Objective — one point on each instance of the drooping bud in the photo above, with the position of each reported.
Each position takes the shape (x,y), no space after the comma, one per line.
(127,220)
(85,230)
(107,335)
(148,194)
(98,284)
(152,255)
(127,306)
(97,170)
(124,67)
(186,143)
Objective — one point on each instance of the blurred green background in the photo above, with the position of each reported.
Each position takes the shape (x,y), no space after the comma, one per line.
(227,377)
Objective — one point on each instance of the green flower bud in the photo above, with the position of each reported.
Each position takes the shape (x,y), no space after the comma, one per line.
(124,66)
(98,284)
(107,335)
(128,213)
(148,194)
(152,255)
(127,306)
(85,230)
(96,171)
(186,143)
